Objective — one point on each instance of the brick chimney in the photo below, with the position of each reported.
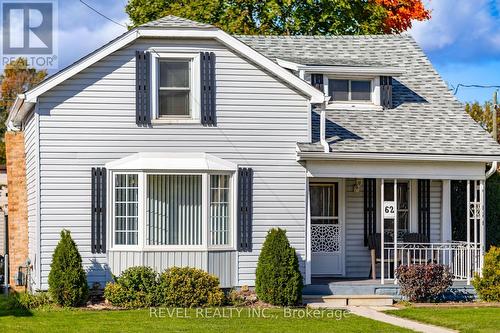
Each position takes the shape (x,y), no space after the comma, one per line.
(17,203)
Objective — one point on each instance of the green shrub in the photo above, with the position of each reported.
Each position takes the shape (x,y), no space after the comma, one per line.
(488,286)
(67,279)
(189,287)
(278,278)
(34,301)
(423,282)
(135,288)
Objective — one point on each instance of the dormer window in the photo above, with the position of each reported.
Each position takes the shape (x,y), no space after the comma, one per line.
(350,90)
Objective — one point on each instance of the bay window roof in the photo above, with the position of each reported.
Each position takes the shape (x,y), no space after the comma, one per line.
(172,161)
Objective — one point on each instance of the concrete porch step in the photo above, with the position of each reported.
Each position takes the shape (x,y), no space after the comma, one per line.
(348,300)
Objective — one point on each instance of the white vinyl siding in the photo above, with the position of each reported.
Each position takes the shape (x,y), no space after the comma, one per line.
(89,120)
(174,206)
(31,145)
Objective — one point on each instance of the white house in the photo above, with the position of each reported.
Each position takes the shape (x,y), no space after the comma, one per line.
(177,144)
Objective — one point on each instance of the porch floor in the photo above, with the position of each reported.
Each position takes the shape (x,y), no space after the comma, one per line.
(352,286)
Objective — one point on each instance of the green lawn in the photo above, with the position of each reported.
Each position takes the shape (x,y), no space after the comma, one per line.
(463,319)
(60,320)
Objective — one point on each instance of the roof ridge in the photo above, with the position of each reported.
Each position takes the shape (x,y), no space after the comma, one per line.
(171,21)
(380,36)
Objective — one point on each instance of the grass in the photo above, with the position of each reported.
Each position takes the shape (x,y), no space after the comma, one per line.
(82,320)
(463,319)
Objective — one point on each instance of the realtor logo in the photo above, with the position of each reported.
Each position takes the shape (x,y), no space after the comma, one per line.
(28,31)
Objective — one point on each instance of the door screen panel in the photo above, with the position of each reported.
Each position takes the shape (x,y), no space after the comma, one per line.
(325,226)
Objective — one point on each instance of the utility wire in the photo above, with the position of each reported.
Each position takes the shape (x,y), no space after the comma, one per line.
(473,86)
(101,14)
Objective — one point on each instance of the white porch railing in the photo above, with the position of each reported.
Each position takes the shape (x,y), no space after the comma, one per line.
(463,259)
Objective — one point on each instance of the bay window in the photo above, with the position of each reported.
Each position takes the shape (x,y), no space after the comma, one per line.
(126,209)
(165,210)
(219,209)
(173,210)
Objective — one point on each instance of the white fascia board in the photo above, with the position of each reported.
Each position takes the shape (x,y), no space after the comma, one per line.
(353,70)
(314,95)
(171,162)
(301,156)
(18,111)
(289,64)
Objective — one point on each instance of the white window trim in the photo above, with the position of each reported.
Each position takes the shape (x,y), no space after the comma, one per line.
(142,245)
(374,102)
(194,96)
(111,209)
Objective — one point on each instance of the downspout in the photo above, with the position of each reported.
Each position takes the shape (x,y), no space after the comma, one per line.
(322,129)
(492,170)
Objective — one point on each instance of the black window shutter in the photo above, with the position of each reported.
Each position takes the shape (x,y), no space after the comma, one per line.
(370,208)
(317,81)
(245,206)
(207,69)
(424,207)
(98,224)
(386,92)
(143,88)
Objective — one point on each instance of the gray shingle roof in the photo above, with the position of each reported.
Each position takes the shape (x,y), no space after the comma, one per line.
(171,21)
(324,61)
(427,119)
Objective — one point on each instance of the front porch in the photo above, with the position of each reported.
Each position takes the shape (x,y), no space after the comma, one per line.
(459,291)
(409,218)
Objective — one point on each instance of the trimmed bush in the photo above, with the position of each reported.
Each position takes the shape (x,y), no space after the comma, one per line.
(189,287)
(67,279)
(488,286)
(135,288)
(422,283)
(278,279)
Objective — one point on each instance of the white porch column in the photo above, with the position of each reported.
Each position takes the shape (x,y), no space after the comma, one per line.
(482,225)
(382,254)
(395,225)
(446,212)
(468,257)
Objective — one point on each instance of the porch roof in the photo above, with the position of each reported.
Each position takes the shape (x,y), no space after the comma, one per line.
(404,130)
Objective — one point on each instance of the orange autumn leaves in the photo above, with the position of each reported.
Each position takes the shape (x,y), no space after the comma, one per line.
(400,14)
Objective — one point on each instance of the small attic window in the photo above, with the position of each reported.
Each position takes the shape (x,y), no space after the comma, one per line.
(350,90)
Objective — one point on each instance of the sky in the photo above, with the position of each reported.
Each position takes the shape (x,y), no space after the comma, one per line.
(462,39)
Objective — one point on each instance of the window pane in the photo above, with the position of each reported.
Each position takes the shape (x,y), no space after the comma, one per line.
(338,90)
(126,211)
(174,103)
(323,201)
(219,209)
(174,206)
(360,90)
(174,74)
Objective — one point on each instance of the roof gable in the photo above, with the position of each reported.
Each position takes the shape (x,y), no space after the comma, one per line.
(167,27)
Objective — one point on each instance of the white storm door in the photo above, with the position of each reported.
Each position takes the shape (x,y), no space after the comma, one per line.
(327,255)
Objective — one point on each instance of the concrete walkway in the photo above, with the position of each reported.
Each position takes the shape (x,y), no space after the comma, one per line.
(375,314)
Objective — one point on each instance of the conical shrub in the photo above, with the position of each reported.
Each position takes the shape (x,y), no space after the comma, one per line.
(67,279)
(278,278)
